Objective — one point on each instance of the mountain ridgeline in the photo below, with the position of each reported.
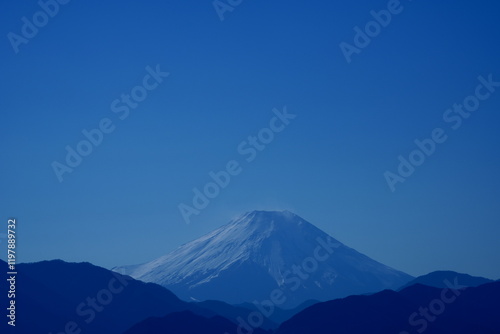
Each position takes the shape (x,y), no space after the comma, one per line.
(262,261)
(57,297)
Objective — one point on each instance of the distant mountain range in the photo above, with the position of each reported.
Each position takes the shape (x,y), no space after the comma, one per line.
(438,278)
(59,297)
(187,322)
(415,309)
(54,296)
(263,253)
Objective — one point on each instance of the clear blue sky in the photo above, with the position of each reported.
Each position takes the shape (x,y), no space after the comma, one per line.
(120,205)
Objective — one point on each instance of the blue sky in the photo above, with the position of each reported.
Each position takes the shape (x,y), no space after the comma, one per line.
(353,120)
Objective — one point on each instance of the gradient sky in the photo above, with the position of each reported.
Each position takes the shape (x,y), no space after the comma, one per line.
(120,205)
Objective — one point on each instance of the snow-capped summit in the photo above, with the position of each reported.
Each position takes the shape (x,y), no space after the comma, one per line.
(262,251)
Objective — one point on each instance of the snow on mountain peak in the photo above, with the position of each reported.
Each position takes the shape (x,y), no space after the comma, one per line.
(258,251)
(263,237)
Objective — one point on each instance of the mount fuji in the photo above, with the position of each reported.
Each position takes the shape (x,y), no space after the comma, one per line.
(267,257)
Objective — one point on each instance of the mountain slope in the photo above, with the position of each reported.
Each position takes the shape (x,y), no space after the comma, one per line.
(261,252)
(187,323)
(437,279)
(279,315)
(52,294)
(417,309)
(234,312)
